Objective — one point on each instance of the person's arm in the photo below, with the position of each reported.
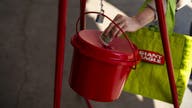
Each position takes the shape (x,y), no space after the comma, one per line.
(134,23)
(130,24)
(153,7)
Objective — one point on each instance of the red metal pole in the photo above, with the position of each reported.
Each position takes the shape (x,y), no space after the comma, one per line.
(167,52)
(82,26)
(88,103)
(82,16)
(60,51)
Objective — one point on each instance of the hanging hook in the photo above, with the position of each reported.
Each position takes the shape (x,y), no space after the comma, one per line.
(100,18)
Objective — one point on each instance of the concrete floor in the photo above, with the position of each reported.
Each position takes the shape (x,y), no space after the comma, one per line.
(27,58)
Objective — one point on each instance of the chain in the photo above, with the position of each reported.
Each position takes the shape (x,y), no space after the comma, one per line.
(100,17)
(101,5)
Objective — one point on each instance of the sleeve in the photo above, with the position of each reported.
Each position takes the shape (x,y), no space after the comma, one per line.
(153,7)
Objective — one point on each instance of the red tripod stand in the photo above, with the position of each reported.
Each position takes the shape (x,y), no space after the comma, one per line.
(61,45)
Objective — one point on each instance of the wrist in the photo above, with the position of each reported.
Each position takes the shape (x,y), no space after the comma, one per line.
(145,17)
(137,23)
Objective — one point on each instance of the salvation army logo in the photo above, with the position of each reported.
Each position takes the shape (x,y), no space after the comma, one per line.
(151,57)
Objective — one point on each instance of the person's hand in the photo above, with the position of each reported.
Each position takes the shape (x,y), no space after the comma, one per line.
(126,23)
(130,24)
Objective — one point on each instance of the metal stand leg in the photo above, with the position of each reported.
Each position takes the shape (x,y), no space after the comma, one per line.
(167,52)
(59,67)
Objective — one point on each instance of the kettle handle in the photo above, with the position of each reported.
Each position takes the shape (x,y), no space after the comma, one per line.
(124,34)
